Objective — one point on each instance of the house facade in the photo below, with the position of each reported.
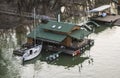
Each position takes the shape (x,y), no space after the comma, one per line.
(58,33)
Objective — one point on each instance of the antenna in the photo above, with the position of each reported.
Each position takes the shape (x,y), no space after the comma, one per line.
(34,27)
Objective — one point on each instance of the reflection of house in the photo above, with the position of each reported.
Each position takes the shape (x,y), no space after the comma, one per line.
(59,34)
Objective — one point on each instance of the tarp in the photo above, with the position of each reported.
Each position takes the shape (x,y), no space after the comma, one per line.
(101,8)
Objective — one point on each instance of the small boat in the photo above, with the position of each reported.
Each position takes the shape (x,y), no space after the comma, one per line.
(32,52)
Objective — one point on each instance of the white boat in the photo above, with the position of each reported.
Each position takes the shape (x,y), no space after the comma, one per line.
(32,52)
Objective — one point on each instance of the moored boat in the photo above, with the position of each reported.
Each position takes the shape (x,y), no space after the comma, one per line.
(32,53)
(103,15)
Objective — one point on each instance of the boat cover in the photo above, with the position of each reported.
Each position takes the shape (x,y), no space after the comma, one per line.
(99,9)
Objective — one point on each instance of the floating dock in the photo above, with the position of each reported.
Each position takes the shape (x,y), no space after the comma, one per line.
(104,15)
(87,43)
(73,50)
(20,51)
(107,19)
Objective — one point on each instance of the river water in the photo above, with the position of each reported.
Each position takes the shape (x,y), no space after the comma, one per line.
(101,61)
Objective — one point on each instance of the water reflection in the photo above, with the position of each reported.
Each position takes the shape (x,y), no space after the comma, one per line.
(6,37)
(65,65)
(7,64)
(9,40)
(13,38)
(3,68)
(21,32)
(63,60)
(102,28)
(66,60)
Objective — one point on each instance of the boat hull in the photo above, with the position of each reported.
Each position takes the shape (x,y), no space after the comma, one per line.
(32,53)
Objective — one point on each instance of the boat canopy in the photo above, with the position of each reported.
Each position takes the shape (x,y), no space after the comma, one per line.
(99,9)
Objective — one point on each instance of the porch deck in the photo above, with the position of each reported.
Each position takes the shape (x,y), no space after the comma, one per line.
(75,49)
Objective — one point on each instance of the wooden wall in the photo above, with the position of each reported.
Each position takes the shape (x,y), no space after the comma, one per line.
(30,40)
(67,42)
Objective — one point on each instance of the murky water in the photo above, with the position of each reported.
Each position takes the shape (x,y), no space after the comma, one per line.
(101,61)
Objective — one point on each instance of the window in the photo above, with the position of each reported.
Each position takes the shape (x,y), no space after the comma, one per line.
(59,27)
(53,26)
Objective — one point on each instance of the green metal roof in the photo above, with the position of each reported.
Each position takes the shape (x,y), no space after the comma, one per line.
(59,26)
(39,32)
(46,36)
(79,34)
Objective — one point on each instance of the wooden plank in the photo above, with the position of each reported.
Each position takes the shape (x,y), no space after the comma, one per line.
(109,18)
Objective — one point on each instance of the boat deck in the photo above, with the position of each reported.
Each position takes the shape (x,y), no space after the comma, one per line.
(107,19)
